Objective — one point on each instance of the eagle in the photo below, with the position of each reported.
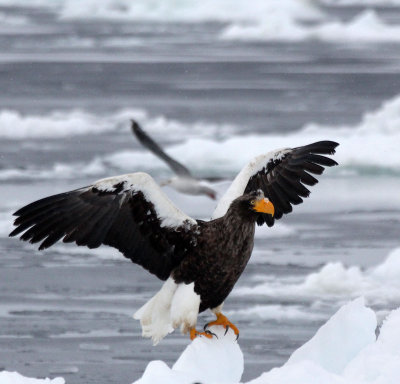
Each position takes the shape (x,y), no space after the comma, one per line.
(199,261)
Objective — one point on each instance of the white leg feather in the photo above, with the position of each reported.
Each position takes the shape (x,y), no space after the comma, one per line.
(174,305)
(185,307)
(154,316)
(218,309)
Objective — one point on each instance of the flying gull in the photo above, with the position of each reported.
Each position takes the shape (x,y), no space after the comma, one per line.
(184,181)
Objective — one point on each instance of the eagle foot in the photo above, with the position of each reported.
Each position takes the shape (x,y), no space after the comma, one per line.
(194,333)
(223,320)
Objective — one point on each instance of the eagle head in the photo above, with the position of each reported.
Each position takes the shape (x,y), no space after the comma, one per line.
(253,204)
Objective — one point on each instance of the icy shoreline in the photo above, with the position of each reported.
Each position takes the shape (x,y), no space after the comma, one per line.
(345,350)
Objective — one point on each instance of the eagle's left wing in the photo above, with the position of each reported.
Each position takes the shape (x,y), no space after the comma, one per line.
(281,175)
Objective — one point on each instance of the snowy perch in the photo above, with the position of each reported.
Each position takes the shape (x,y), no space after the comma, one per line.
(343,351)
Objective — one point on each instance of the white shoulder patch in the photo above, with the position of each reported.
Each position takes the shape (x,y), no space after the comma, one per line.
(168,213)
(238,185)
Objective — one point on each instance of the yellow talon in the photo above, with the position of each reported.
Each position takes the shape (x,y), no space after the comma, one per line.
(223,320)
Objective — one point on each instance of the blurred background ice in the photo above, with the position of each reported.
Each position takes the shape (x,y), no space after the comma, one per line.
(216,83)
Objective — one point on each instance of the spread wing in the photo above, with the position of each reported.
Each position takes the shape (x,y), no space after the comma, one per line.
(282,176)
(128,212)
(150,144)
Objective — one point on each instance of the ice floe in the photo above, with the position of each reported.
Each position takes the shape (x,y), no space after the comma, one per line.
(186,11)
(263,20)
(344,350)
(16,378)
(219,360)
(380,285)
(368,146)
(366,26)
(60,124)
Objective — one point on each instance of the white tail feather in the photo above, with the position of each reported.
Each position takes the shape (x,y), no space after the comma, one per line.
(174,305)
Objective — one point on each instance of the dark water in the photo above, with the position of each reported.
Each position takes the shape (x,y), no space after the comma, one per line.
(68,311)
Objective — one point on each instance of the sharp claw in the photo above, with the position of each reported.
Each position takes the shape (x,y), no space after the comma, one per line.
(237,337)
(211,333)
(205,327)
(226,330)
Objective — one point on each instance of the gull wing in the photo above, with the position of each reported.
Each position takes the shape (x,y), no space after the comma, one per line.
(150,144)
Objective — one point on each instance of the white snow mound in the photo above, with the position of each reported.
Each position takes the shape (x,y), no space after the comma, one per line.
(343,351)
(204,360)
(16,378)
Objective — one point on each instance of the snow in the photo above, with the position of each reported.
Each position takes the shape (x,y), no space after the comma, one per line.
(350,339)
(366,26)
(170,215)
(361,2)
(66,123)
(343,351)
(16,378)
(204,360)
(367,147)
(334,281)
(57,124)
(187,10)
(263,20)
(379,360)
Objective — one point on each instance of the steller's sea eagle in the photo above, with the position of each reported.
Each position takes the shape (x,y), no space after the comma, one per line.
(200,261)
(184,181)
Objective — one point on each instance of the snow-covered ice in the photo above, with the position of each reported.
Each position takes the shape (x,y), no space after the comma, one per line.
(367,146)
(336,282)
(366,26)
(16,378)
(343,351)
(204,360)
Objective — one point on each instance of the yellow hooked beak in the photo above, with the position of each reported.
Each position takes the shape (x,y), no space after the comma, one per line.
(264,206)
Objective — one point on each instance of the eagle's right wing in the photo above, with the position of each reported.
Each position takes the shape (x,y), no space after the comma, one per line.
(128,212)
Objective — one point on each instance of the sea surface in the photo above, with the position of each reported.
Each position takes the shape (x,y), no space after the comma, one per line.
(216,85)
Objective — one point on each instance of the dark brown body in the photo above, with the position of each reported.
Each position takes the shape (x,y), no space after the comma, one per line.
(223,248)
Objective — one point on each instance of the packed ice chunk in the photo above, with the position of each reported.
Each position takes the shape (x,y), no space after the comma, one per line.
(16,378)
(305,372)
(379,363)
(338,341)
(216,360)
(343,351)
(334,281)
